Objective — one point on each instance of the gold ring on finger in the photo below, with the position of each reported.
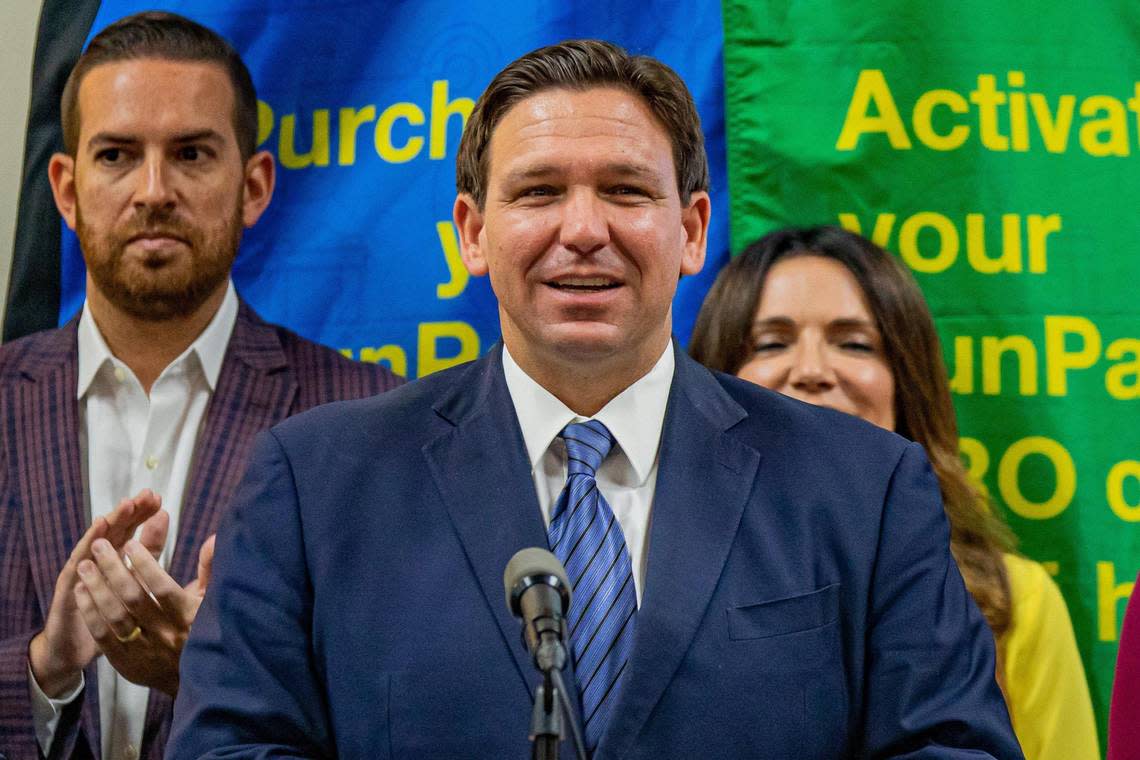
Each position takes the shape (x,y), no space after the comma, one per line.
(132,636)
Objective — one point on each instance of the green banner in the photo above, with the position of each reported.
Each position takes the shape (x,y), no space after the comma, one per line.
(995,147)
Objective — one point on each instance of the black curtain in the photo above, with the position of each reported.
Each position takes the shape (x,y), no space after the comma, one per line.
(33,291)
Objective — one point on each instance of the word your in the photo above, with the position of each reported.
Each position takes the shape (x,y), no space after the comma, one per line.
(946,120)
(940,229)
(394,132)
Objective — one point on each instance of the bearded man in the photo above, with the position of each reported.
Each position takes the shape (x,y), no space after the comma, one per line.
(156,389)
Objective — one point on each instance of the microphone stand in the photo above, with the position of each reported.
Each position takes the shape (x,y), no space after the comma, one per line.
(550,701)
(538,592)
(546,721)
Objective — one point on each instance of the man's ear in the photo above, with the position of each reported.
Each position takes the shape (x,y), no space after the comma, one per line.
(469,224)
(695,220)
(257,187)
(61,175)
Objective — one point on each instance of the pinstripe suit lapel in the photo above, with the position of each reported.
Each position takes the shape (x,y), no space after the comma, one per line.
(256,389)
(46,430)
(51,471)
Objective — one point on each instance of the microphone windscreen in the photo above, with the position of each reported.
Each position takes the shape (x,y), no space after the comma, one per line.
(530,563)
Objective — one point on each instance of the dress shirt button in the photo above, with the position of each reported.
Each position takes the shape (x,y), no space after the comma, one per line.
(130,752)
(151,462)
(120,374)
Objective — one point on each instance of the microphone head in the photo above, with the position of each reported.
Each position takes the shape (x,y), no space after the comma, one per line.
(530,567)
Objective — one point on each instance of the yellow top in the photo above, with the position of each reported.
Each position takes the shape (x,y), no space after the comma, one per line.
(1045,683)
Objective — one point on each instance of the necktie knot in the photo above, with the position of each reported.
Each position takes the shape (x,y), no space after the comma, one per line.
(587,444)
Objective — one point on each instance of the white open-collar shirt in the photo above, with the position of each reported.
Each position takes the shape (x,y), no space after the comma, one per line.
(130,441)
(628,476)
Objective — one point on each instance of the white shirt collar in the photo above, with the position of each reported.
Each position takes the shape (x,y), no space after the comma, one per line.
(209,347)
(634,417)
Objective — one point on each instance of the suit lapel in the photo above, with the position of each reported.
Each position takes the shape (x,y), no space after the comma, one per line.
(51,472)
(703,481)
(46,429)
(481,470)
(255,390)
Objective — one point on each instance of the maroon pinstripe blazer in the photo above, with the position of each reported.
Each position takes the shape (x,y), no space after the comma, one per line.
(268,374)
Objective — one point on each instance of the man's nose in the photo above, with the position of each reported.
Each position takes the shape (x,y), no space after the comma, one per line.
(811,370)
(585,228)
(154,184)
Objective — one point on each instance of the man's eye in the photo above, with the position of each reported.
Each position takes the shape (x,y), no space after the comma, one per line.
(538,191)
(109,155)
(630,190)
(189,153)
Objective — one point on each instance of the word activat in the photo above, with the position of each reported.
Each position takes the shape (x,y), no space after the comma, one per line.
(999,120)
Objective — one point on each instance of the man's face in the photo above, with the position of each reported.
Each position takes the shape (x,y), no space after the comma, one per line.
(583,232)
(157,191)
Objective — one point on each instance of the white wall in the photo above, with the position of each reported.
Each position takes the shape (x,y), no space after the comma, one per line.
(18,19)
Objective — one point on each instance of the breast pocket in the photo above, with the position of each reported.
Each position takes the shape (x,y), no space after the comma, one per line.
(781,617)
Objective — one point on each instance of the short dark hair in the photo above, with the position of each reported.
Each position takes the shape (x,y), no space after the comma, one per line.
(581,65)
(166,36)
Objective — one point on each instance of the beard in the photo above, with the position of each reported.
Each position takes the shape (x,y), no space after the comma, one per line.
(157,287)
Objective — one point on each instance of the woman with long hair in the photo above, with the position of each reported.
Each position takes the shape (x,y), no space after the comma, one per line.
(830,318)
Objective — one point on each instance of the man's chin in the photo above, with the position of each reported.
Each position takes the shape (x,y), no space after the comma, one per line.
(159,304)
(588,343)
(156,308)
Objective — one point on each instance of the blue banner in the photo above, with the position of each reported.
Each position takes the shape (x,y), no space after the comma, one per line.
(363,104)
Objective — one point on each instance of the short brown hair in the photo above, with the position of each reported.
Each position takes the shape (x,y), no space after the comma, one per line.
(165,36)
(581,65)
(924,409)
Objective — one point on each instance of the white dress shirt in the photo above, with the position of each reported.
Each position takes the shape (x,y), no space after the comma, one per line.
(628,476)
(133,441)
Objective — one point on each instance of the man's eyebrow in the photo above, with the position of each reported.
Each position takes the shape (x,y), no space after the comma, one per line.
(623,169)
(538,171)
(122,138)
(117,138)
(618,169)
(200,135)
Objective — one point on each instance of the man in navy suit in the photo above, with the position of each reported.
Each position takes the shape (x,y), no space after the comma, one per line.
(775,579)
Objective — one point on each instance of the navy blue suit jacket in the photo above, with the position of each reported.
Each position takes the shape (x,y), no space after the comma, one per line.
(800,599)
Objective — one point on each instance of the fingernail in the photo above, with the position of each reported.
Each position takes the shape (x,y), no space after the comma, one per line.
(100,547)
(132,546)
(86,568)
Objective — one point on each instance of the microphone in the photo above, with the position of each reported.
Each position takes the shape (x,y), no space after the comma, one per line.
(538,591)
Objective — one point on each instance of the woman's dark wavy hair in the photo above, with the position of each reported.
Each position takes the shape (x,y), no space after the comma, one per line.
(924,411)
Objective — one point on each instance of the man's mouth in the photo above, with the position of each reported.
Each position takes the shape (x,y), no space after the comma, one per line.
(584,284)
(156,243)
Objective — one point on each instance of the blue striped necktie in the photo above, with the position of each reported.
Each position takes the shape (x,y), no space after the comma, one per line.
(586,537)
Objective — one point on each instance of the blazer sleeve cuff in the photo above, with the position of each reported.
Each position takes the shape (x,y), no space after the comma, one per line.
(17,725)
